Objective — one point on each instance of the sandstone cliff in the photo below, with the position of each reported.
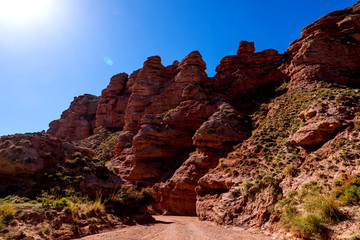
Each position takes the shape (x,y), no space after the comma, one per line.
(77,122)
(303,141)
(232,148)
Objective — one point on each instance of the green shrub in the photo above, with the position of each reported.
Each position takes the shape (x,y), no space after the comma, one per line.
(246,186)
(316,211)
(67,179)
(324,207)
(349,192)
(14,199)
(7,213)
(71,162)
(74,210)
(50,200)
(62,202)
(96,206)
(308,226)
(290,170)
(74,205)
(129,201)
(44,230)
(310,189)
(338,183)
(77,154)
(232,171)
(357,125)
(236,192)
(293,193)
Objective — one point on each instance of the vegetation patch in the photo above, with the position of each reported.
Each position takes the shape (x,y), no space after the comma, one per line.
(348,190)
(128,201)
(308,219)
(268,156)
(102,144)
(52,216)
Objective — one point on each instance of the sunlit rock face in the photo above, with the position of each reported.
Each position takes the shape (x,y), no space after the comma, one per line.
(213,140)
(112,103)
(177,128)
(165,108)
(167,113)
(242,189)
(248,70)
(327,50)
(77,122)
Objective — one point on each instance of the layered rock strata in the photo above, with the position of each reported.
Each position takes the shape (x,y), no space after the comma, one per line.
(328,50)
(110,111)
(308,129)
(77,122)
(164,110)
(179,127)
(166,113)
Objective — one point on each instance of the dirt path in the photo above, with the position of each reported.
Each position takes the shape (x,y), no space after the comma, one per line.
(178,228)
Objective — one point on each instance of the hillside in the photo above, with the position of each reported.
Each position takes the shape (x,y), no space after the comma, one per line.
(272,141)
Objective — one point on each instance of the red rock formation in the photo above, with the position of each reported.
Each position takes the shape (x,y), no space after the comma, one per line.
(243,188)
(167,106)
(22,155)
(247,70)
(323,120)
(224,128)
(34,157)
(192,69)
(158,124)
(328,50)
(112,103)
(167,112)
(315,134)
(77,122)
(164,113)
(150,80)
(177,195)
(245,48)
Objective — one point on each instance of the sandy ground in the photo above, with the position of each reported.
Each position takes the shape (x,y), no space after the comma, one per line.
(178,228)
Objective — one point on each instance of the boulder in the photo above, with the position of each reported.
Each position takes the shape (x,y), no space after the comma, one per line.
(316,133)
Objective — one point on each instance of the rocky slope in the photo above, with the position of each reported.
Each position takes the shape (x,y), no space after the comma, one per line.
(250,146)
(35,162)
(304,142)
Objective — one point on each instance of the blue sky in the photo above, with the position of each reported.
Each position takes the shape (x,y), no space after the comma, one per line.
(75,46)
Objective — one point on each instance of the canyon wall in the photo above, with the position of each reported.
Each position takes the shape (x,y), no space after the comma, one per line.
(228,148)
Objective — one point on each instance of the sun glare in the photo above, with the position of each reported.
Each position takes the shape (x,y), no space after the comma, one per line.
(23,11)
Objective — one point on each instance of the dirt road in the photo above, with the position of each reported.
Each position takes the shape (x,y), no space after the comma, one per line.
(178,228)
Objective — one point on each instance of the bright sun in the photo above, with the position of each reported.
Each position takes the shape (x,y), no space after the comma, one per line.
(23,11)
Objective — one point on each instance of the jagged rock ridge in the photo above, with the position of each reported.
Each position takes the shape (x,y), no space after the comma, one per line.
(231,136)
(166,113)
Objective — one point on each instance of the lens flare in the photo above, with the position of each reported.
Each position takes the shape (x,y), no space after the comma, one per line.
(108,61)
